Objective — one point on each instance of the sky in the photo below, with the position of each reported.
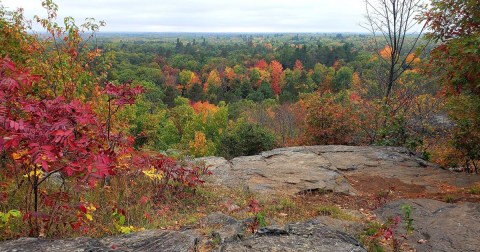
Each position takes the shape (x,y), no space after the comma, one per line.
(296,16)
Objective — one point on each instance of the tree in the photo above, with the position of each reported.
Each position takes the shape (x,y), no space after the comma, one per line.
(213,80)
(456,24)
(69,65)
(185,78)
(391,22)
(464,110)
(284,123)
(47,136)
(276,75)
(245,139)
(456,60)
(450,19)
(342,79)
(330,119)
(298,65)
(261,64)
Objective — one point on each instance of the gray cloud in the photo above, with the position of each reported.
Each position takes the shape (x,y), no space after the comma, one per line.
(211,15)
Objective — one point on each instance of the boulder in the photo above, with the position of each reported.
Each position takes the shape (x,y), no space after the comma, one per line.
(438,226)
(225,228)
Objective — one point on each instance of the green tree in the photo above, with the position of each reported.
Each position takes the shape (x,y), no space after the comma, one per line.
(342,79)
(464,110)
(185,78)
(245,139)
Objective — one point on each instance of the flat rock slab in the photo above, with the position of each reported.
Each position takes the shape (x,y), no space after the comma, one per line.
(302,236)
(441,226)
(329,168)
(150,240)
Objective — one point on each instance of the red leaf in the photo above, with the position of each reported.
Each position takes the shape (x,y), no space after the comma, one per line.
(7,63)
(82,208)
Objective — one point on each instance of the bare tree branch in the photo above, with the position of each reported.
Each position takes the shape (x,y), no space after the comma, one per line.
(394,20)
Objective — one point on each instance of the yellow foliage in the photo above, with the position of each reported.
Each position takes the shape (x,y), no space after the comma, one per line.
(38,173)
(90,209)
(265,75)
(229,73)
(199,145)
(386,53)
(123,160)
(153,174)
(129,229)
(213,80)
(18,155)
(356,81)
(412,58)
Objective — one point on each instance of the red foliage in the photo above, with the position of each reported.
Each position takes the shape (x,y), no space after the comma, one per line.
(298,65)
(276,74)
(254,206)
(261,64)
(52,135)
(44,136)
(123,94)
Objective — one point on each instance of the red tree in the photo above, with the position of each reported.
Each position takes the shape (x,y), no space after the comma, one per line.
(298,65)
(276,75)
(261,64)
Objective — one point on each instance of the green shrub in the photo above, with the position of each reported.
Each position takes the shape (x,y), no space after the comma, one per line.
(245,139)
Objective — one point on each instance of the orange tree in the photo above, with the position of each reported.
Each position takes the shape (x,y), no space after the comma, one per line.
(330,119)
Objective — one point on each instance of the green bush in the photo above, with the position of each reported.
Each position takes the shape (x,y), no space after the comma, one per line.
(245,139)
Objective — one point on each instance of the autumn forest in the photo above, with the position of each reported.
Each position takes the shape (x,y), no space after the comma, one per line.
(108,126)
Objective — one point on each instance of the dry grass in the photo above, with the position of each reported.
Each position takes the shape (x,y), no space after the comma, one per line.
(146,205)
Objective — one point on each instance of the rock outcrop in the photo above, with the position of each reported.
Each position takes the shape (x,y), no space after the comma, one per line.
(355,171)
(328,168)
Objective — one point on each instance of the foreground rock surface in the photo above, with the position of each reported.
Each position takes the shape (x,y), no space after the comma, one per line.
(302,236)
(150,240)
(331,168)
(438,226)
(349,170)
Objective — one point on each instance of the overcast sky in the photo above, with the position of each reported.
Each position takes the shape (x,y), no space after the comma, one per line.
(210,15)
